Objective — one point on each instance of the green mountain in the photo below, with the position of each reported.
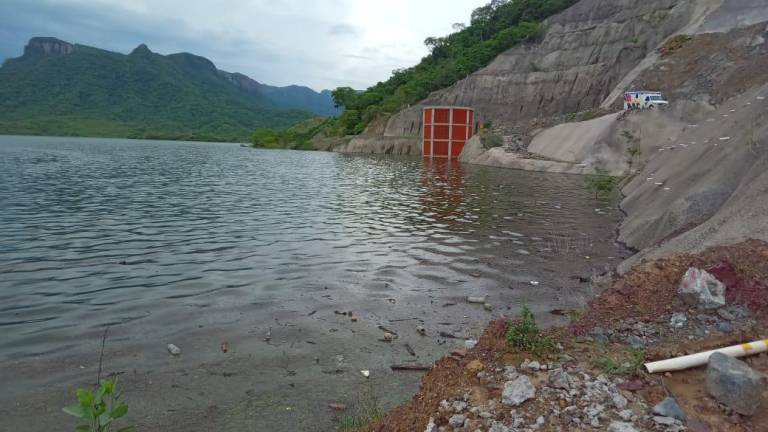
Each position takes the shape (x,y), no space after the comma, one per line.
(58,88)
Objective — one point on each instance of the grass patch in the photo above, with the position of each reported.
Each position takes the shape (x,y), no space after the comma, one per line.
(365,412)
(628,363)
(674,44)
(524,334)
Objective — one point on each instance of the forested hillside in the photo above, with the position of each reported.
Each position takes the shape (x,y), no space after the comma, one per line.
(57,88)
(493,29)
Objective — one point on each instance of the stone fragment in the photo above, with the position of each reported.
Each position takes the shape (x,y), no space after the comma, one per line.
(669,408)
(618,426)
(560,379)
(474,366)
(174,350)
(457,420)
(518,391)
(734,384)
(699,288)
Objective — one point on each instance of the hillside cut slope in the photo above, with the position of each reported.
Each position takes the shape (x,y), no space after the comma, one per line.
(58,88)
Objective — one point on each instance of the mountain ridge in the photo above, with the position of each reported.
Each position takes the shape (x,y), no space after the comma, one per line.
(59,88)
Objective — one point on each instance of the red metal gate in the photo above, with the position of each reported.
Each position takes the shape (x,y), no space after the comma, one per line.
(446,130)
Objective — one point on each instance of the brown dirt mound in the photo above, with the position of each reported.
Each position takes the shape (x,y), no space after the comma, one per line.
(648,292)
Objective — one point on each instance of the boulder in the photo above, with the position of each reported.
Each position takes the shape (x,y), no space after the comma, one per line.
(518,391)
(699,288)
(734,384)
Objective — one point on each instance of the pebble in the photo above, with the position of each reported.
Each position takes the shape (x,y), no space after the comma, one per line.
(678,320)
(618,426)
(626,414)
(457,420)
(725,327)
(518,391)
(534,365)
(669,408)
(560,379)
(459,406)
(666,421)
(174,350)
(635,342)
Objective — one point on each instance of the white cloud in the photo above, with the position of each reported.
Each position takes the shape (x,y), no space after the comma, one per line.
(319,43)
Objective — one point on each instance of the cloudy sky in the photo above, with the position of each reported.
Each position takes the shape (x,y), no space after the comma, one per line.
(318,43)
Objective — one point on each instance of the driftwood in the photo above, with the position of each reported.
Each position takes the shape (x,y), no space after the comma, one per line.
(418,368)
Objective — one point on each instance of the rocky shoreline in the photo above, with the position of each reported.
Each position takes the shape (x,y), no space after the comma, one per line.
(595,380)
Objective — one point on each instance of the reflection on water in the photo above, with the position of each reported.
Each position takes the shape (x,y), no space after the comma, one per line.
(145,234)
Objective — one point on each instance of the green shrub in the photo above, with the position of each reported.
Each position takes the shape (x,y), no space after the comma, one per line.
(99,408)
(600,182)
(525,335)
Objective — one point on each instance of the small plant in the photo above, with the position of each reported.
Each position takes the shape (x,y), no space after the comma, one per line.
(367,410)
(674,44)
(600,182)
(628,365)
(524,334)
(489,138)
(99,408)
(750,137)
(633,147)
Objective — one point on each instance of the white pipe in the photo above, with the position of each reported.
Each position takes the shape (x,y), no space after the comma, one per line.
(693,360)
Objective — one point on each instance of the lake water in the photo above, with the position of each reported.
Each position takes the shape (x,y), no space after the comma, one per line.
(158,240)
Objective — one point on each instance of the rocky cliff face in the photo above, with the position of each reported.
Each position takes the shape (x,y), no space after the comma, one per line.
(47,46)
(588,56)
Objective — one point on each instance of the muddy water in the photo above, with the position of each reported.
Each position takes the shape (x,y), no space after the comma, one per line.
(205,244)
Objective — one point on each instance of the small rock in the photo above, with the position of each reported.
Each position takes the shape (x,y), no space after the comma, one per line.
(669,408)
(734,384)
(626,414)
(459,406)
(445,405)
(486,415)
(478,299)
(337,406)
(498,427)
(174,350)
(678,320)
(475,366)
(725,327)
(388,337)
(457,420)
(540,421)
(510,373)
(725,314)
(619,401)
(598,334)
(618,426)
(421,330)
(431,426)
(534,365)
(470,343)
(560,379)
(635,342)
(666,421)
(365,373)
(699,288)
(488,307)
(518,391)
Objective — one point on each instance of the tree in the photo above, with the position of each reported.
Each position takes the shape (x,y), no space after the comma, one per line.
(344,97)
(457,27)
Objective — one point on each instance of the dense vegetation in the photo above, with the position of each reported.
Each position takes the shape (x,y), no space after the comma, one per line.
(298,137)
(92,92)
(493,28)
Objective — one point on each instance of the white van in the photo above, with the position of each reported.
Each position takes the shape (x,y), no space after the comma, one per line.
(643,100)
